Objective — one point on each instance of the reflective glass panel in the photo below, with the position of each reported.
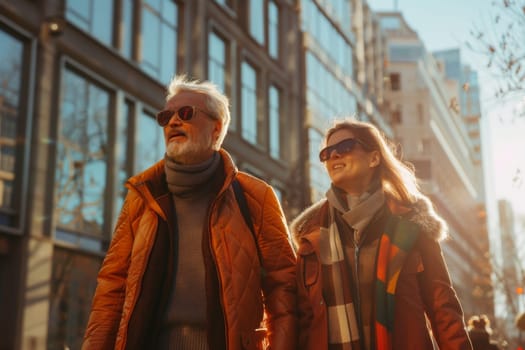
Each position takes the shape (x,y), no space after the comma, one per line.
(159,39)
(274,116)
(73,283)
(273,29)
(93,16)
(150,146)
(257,20)
(249,103)
(127,28)
(11,59)
(217,61)
(81,155)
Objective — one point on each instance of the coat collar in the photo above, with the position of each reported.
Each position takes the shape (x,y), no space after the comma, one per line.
(421,213)
(151,183)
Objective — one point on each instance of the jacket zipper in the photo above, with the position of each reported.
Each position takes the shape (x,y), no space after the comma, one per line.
(214,257)
(358,292)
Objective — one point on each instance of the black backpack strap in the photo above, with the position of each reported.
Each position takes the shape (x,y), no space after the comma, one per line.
(243,206)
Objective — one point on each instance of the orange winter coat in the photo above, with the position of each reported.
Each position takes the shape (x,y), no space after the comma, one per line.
(133,285)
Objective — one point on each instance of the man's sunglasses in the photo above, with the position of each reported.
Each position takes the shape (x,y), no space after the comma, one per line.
(184,113)
(343,147)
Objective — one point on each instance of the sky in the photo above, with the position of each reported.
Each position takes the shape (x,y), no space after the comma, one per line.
(446,24)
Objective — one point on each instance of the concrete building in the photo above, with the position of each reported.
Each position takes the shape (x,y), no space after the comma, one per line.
(80,82)
(466,101)
(434,138)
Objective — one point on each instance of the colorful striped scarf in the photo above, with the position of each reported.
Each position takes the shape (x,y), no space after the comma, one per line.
(396,241)
(343,329)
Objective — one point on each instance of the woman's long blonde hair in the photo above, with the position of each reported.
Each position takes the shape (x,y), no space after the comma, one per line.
(397,178)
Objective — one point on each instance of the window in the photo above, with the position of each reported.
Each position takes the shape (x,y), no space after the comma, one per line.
(228,3)
(327,36)
(159,39)
(395,81)
(82,156)
(257,20)
(217,61)
(249,103)
(11,115)
(89,186)
(327,96)
(273,29)
(127,26)
(73,284)
(405,53)
(390,23)
(125,124)
(397,116)
(339,11)
(94,17)
(274,117)
(150,147)
(420,114)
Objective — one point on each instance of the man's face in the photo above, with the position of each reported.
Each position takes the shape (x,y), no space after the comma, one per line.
(190,141)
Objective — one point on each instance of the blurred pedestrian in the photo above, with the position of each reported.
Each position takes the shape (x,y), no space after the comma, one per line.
(479,331)
(370,269)
(184,270)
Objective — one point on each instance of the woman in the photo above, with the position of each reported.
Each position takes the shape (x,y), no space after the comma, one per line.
(370,270)
(479,331)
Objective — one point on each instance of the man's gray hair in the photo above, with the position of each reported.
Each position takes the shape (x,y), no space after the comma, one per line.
(217,103)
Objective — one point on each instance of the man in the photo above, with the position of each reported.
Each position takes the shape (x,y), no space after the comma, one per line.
(183,269)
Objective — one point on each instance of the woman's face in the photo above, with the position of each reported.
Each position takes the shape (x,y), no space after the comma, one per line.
(351,171)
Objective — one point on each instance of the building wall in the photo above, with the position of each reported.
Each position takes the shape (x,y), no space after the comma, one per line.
(82,82)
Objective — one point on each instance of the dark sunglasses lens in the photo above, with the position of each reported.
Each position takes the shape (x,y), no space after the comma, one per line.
(323,155)
(345,146)
(185,113)
(342,147)
(163,117)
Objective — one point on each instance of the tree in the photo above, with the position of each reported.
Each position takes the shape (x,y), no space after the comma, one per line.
(502,42)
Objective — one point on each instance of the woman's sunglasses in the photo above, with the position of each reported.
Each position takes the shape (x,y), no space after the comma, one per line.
(343,147)
(184,113)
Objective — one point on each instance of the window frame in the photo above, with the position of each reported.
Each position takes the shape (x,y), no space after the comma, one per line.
(256,68)
(279,121)
(104,238)
(23,127)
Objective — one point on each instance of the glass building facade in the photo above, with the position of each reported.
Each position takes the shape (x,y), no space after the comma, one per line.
(328,68)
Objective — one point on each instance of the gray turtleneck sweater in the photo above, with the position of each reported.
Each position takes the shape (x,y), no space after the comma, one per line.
(184,323)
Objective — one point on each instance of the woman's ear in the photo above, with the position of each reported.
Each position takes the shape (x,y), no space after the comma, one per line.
(375,159)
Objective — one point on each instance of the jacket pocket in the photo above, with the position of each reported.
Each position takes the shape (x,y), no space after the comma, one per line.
(310,270)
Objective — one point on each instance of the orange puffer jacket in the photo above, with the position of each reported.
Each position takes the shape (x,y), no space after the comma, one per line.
(234,256)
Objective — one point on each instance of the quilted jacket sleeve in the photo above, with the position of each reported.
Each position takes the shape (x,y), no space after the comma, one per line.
(106,309)
(441,302)
(279,285)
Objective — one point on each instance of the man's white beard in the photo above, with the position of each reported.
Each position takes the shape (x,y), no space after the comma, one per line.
(190,152)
